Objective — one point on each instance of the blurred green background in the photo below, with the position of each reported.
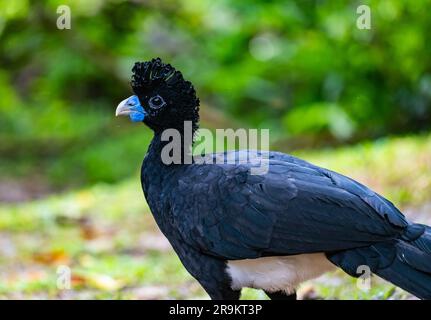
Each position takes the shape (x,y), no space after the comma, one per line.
(356,101)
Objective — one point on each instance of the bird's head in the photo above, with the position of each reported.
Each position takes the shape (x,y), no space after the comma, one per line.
(163,98)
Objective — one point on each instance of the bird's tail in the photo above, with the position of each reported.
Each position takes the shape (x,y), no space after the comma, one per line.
(405,262)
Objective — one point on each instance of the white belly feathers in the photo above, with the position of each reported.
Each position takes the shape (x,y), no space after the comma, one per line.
(282,273)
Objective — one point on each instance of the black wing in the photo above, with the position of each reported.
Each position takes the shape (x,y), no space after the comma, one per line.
(294,208)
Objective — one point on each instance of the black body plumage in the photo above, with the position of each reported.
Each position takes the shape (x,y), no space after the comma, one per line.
(212,213)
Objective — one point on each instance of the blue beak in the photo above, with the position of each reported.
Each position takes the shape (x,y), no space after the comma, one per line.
(131,107)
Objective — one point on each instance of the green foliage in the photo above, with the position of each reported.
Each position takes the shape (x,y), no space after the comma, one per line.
(298,68)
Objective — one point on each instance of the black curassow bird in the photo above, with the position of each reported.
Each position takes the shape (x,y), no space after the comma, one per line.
(232,229)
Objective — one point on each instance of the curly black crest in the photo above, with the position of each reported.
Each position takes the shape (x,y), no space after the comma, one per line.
(153,75)
(150,74)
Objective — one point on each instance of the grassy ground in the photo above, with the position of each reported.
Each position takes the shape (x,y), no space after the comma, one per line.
(107,237)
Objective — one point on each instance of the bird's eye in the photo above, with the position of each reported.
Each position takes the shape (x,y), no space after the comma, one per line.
(156,102)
